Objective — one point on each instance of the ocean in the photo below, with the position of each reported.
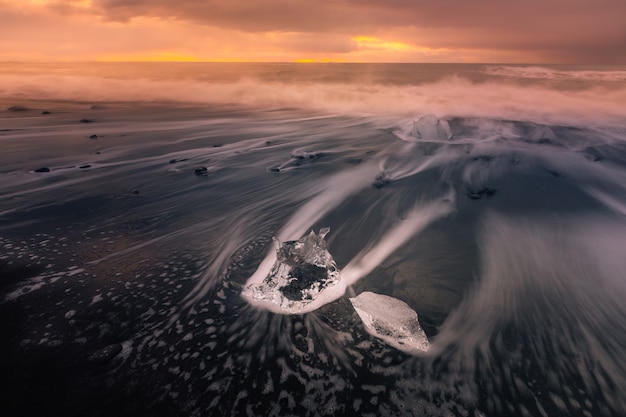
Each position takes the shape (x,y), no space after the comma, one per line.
(141,202)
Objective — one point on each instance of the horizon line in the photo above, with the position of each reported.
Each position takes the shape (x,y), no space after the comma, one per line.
(300,62)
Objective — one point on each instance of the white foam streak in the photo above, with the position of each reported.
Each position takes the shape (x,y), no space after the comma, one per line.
(610,201)
(407,162)
(336,190)
(417,220)
(339,188)
(539,272)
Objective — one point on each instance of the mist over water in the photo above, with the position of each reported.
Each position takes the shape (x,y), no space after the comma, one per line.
(125,261)
(570,95)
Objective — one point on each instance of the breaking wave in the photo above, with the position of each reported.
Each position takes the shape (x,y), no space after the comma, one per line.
(450,95)
(561,73)
(131,230)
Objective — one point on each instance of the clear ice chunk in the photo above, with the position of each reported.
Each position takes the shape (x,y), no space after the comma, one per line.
(392,321)
(303,270)
(431,127)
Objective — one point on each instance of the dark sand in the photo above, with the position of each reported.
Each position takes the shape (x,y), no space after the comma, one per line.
(121,267)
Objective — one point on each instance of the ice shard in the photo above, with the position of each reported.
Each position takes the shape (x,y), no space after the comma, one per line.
(303,270)
(392,321)
(431,127)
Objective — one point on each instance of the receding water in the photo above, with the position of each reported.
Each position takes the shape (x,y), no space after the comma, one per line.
(123,264)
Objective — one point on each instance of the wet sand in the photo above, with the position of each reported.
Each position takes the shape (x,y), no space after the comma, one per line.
(122,263)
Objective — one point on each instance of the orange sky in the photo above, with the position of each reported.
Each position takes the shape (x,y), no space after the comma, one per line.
(528,31)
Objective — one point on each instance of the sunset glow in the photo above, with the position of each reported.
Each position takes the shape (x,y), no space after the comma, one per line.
(389,208)
(370,42)
(339,31)
(150,57)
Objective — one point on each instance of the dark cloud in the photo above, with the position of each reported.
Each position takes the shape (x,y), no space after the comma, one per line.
(245,15)
(571,29)
(592,31)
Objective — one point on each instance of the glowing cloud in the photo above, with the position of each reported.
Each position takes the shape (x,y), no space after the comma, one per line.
(370,42)
(289,30)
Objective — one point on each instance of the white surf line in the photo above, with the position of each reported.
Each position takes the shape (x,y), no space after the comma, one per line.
(362,264)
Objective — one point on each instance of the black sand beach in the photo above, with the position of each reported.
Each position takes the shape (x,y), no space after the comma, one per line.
(128,230)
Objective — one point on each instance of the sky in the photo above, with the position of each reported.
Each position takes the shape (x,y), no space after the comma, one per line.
(505,31)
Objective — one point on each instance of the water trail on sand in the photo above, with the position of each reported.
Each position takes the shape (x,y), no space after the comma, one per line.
(550,290)
(505,236)
(335,191)
(416,220)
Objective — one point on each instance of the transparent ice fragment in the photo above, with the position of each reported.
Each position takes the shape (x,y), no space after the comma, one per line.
(431,127)
(392,321)
(303,270)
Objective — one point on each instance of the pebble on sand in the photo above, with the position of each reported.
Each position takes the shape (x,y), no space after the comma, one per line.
(201,171)
(477,195)
(18,108)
